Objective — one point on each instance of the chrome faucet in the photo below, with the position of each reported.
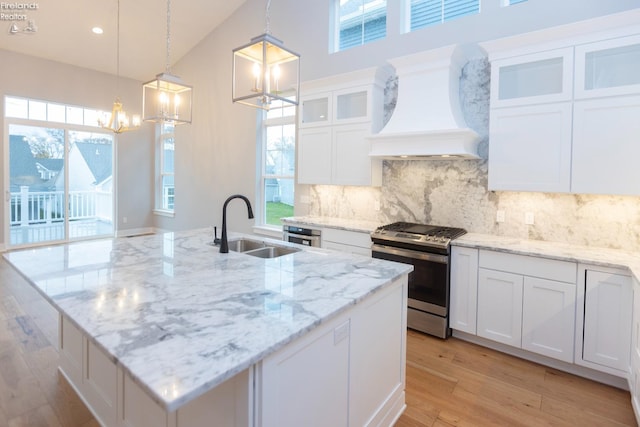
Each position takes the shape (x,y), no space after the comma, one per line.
(224,244)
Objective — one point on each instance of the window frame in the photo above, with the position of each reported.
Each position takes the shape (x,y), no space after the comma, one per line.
(335,25)
(262,176)
(443,18)
(161,173)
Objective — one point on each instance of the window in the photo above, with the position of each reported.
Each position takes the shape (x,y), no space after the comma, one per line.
(278,163)
(60,170)
(429,12)
(165,189)
(510,2)
(360,21)
(32,109)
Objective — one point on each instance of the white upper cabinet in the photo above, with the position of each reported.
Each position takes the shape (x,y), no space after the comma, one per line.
(536,160)
(565,108)
(337,114)
(316,110)
(605,146)
(608,68)
(532,79)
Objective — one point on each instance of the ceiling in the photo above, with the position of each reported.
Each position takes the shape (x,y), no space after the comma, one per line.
(64,32)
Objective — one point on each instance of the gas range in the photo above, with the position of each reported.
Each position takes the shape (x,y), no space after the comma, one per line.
(416,236)
(426,247)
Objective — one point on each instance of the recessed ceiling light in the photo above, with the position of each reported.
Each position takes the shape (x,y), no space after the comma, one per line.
(97,30)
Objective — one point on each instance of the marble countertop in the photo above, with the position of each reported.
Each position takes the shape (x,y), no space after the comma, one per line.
(178,315)
(361,226)
(554,250)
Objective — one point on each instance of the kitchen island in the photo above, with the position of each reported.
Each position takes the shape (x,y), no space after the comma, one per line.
(164,330)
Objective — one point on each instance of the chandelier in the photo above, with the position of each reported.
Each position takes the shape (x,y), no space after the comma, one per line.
(167,98)
(118,121)
(264,70)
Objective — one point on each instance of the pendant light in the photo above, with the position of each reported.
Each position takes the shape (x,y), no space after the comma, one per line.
(118,120)
(167,98)
(264,70)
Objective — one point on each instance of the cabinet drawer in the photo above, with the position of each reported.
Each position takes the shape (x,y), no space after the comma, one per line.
(562,271)
(353,238)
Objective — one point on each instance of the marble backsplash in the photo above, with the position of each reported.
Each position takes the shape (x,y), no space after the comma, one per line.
(454,192)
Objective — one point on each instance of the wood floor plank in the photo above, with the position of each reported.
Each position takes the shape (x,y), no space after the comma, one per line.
(19,389)
(42,416)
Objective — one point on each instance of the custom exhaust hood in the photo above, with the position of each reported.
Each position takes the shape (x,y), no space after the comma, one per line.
(427,122)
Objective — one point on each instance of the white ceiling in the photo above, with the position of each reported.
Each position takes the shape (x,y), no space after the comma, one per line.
(64,32)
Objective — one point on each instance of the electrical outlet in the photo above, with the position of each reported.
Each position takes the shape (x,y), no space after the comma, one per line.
(124,219)
(529,218)
(500,216)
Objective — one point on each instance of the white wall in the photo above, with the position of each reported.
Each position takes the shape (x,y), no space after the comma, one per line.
(26,76)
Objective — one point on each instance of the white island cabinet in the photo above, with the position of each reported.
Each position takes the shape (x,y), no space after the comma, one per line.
(165,331)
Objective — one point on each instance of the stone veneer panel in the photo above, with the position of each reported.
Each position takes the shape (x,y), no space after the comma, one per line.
(454,192)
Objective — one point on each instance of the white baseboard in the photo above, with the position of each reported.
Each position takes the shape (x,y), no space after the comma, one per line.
(580,371)
(130,232)
(2,247)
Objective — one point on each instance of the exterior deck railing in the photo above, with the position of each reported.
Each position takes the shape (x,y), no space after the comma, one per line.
(46,207)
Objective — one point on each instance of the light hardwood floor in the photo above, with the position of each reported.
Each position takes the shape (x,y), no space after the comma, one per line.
(449,383)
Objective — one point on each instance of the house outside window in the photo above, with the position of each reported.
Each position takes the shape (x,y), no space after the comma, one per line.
(358,22)
(277,178)
(165,187)
(424,13)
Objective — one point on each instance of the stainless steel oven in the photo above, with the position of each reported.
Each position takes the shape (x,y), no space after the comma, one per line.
(426,247)
(302,235)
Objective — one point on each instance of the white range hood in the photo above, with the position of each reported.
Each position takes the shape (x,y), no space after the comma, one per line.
(427,122)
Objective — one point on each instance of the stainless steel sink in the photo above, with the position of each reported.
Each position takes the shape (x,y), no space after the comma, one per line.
(260,249)
(271,251)
(244,245)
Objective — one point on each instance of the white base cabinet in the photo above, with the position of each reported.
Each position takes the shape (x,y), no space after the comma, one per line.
(500,306)
(605,314)
(634,363)
(548,318)
(522,301)
(464,289)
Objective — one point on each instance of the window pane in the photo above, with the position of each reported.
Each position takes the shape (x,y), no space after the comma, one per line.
(279,200)
(361,21)
(37,110)
(168,151)
(167,127)
(56,113)
(90,117)
(167,192)
(279,109)
(280,150)
(429,12)
(516,2)
(15,107)
(75,115)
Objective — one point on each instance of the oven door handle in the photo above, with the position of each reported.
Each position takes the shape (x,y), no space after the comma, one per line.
(408,253)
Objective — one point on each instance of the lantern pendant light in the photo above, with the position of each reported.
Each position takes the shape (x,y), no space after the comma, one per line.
(167,98)
(118,120)
(264,70)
